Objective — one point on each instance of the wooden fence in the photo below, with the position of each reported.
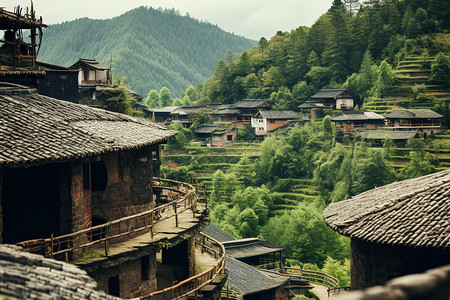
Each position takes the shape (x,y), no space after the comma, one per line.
(184,197)
(192,285)
(313,276)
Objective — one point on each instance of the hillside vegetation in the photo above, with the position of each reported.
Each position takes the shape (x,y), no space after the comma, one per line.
(380,52)
(154,48)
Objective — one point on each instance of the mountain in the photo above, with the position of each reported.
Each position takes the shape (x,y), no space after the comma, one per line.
(152,47)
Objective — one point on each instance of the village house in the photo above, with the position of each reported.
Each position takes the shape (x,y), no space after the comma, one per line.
(92,77)
(266,121)
(347,121)
(255,252)
(214,135)
(309,109)
(425,121)
(377,138)
(335,99)
(222,137)
(395,230)
(182,114)
(330,99)
(247,282)
(77,184)
(59,82)
(225,114)
(248,108)
(204,132)
(162,115)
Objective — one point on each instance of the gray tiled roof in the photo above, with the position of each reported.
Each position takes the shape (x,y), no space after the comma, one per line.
(186,110)
(252,103)
(413,114)
(29,276)
(413,212)
(90,63)
(329,93)
(383,134)
(227,109)
(206,128)
(217,233)
(278,114)
(38,129)
(308,104)
(166,109)
(249,247)
(247,280)
(356,116)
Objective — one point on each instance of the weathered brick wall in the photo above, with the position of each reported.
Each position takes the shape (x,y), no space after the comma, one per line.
(374,264)
(1,211)
(129,187)
(81,199)
(129,272)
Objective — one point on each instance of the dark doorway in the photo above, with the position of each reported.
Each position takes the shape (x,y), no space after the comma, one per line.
(31,203)
(113,286)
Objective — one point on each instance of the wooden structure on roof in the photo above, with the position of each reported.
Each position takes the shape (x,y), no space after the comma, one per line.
(400,228)
(18,55)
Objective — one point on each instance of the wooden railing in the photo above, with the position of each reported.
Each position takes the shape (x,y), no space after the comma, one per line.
(192,285)
(183,195)
(313,276)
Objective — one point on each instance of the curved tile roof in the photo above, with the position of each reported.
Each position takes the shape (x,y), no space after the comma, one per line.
(29,276)
(249,247)
(413,212)
(35,129)
(413,114)
(247,280)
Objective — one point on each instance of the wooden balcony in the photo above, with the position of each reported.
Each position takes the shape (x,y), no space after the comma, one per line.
(170,221)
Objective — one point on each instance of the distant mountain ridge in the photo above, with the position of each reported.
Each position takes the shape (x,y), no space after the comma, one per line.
(152,47)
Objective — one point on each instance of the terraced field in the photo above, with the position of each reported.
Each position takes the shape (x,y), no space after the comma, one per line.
(204,162)
(413,70)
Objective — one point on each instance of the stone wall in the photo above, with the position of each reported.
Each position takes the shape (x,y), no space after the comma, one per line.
(374,264)
(129,272)
(1,211)
(129,185)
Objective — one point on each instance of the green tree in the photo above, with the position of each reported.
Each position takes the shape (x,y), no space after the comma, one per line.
(200,117)
(248,223)
(165,98)
(192,93)
(152,100)
(304,235)
(440,70)
(385,79)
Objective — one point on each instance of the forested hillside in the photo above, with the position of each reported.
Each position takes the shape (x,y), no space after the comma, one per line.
(357,51)
(153,48)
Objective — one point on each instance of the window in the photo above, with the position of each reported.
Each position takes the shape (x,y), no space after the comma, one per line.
(229,137)
(99,176)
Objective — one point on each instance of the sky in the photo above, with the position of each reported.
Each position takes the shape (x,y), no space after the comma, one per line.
(250,18)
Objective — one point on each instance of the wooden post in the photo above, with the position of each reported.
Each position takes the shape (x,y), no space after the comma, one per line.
(151,224)
(67,256)
(176,215)
(107,239)
(203,243)
(51,245)
(204,193)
